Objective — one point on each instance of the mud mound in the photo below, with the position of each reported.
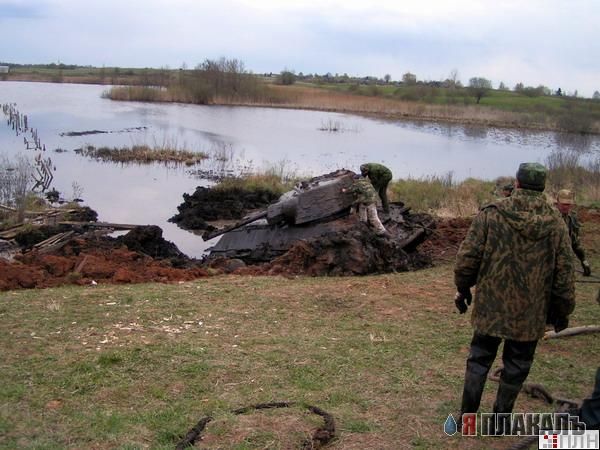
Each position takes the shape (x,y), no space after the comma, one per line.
(149,240)
(218,204)
(79,263)
(83,214)
(142,255)
(31,236)
(444,241)
(588,214)
(357,251)
(17,275)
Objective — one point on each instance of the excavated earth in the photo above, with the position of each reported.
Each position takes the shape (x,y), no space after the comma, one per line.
(143,255)
(140,256)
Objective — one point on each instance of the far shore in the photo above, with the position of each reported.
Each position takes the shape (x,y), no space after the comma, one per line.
(312,97)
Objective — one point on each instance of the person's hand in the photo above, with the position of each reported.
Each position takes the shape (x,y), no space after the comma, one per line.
(462,300)
(561,324)
(587,270)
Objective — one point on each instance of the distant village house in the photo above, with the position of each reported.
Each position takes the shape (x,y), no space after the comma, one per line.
(3,69)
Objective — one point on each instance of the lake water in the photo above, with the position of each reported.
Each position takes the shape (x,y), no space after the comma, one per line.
(244,139)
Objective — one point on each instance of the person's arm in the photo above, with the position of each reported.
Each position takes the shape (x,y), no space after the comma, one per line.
(575,241)
(577,247)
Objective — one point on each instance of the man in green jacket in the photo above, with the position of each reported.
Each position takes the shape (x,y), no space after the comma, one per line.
(365,199)
(565,201)
(517,251)
(380,176)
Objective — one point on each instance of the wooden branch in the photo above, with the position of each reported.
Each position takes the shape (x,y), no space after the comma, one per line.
(116,226)
(588,329)
(7,208)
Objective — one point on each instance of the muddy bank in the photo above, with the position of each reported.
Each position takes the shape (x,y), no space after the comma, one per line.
(206,205)
(143,255)
(140,256)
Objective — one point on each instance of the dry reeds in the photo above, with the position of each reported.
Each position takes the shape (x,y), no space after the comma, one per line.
(144,154)
(569,170)
(442,196)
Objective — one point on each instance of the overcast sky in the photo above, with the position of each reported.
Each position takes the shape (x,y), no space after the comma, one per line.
(550,42)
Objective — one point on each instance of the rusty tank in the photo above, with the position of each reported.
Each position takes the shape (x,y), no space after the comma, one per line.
(315,209)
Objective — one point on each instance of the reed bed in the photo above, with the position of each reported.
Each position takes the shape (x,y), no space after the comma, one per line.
(144,154)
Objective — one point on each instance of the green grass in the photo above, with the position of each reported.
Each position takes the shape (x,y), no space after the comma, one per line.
(132,367)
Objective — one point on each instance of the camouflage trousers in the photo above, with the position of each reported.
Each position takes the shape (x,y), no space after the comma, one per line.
(368,213)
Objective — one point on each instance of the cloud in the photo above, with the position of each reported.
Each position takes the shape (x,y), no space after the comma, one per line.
(10,10)
(537,42)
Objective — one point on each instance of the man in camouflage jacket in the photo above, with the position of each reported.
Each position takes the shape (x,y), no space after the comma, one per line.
(380,177)
(565,201)
(517,252)
(365,199)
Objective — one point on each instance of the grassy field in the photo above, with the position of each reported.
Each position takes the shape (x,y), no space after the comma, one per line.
(132,367)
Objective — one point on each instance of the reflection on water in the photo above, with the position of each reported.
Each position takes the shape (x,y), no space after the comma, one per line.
(577,142)
(242,139)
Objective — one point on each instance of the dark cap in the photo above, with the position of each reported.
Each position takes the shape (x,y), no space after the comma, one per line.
(532,176)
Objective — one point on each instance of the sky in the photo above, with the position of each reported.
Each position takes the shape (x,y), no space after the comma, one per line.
(555,43)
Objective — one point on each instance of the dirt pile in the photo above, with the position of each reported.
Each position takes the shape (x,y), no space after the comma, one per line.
(349,248)
(31,236)
(206,205)
(355,252)
(142,255)
(443,243)
(83,262)
(149,241)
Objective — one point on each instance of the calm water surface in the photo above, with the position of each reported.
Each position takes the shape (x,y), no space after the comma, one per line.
(249,139)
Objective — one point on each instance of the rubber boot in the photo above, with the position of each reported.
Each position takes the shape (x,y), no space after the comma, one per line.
(505,401)
(472,392)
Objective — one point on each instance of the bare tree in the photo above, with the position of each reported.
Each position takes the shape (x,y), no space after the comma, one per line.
(453,80)
(16,179)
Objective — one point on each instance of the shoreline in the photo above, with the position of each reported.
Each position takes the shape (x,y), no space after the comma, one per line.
(365,106)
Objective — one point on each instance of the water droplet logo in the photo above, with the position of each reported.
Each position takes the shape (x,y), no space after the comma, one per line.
(450,427)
